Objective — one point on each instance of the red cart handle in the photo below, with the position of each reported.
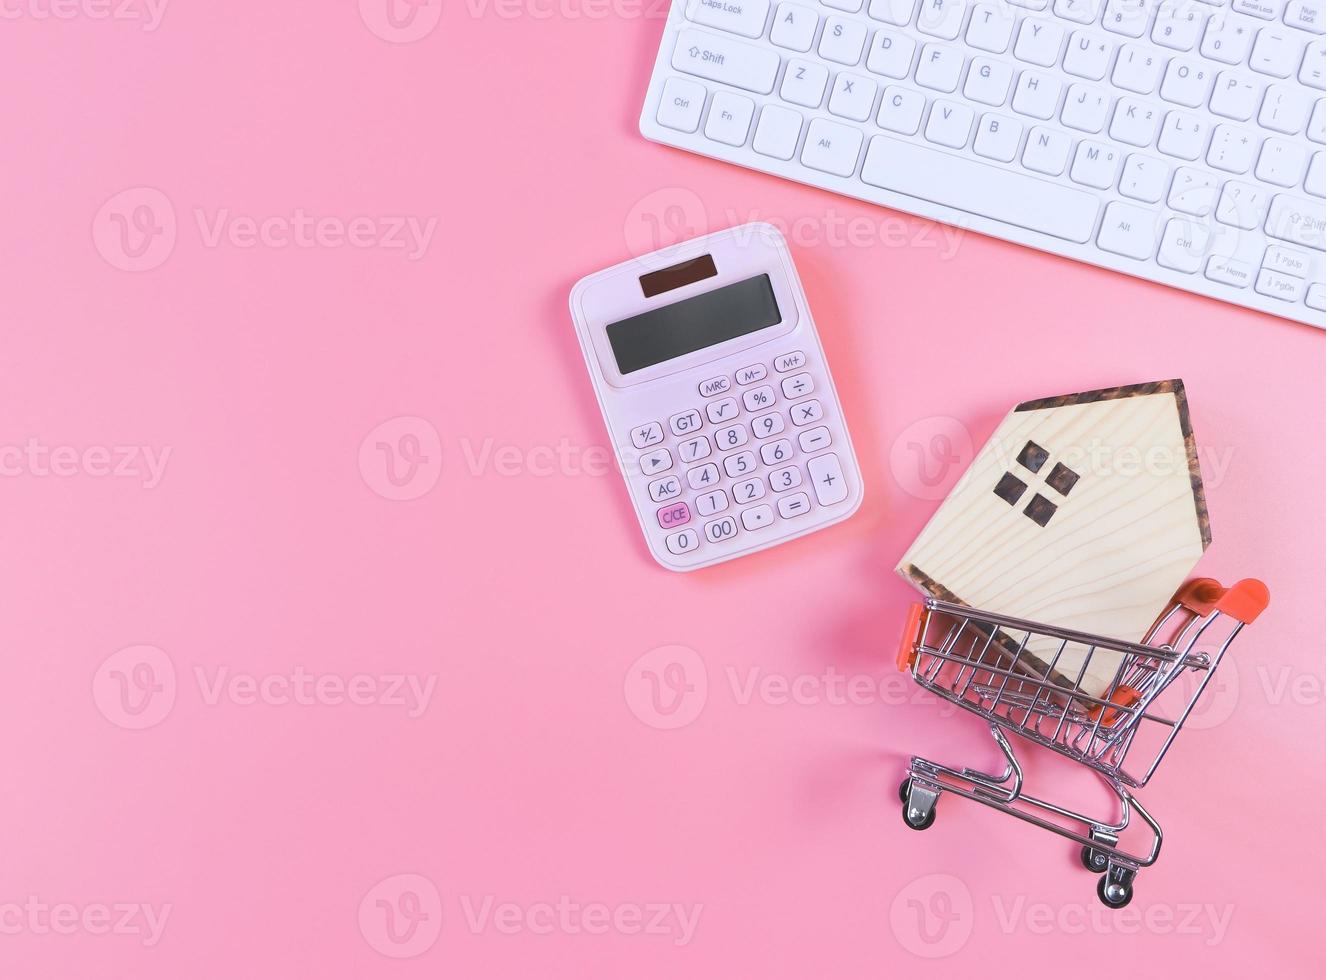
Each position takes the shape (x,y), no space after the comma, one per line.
(911,637)
(1244,600)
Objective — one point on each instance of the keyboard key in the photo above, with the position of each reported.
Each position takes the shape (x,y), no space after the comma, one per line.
(1144,178)
(1232,149)
(969,185)
(729,118)
(1276,52)
(1182,136)
(1235,96)
(990,28)
(1039,42)
(752,374)
(690,450)
(1128,231)
(1287,288)
(940,67)
(1088,55)
(847,6)
(1037,95)
(723,411)
(1183,245)
(682,541)
(806,412)
(813,440)
(1229,271)
(891,54)
(1313,70)
(1287,261)
(758,398)
(1078,11)
(1315,182)
(900,110)
(680,105)
(896,12)
(703,477)
(791,361)
(831,147)
(776,135)
(721,529)
(1138,69)
(684,422)
(997,137)
(715,386)
(1046,151)
(1178,24)
(788,478)
(757,517)
(664,489)
(804,83)
(1095,165)
(1285,109)
(794,27)
(1086,108)
(1126,17)
(711,503)
(673,514)
(1186,83)
(1298,221)
(793,505)
(949,124)
(988,82)
(1227,39)
(798,385)
(774,453)
(941,18)
(732,437)
(1134,122)
(655,462)
(649,434)
(745,18)
(843,40)
(1310,15)
(826,476)
(765,426)
(1316,299)
(747,491)
(1261,9)
(1281,162)
(853,97)
(1243,205)
(1193,192)
(722,59)
(1317,124)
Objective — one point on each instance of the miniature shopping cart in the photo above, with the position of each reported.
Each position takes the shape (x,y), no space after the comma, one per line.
(1025,678)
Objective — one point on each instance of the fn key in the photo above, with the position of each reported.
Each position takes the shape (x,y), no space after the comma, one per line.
(826,475)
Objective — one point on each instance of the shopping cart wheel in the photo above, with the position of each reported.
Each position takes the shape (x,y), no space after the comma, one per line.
(918,805)
(904,788)
(1094,860)
(1113,893)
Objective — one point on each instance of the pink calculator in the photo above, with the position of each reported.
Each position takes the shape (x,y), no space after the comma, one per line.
(717,396)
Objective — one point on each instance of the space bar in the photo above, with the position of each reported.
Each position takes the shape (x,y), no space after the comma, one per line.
(980,189)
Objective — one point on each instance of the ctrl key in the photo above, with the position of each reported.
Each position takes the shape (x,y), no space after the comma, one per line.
(680,105)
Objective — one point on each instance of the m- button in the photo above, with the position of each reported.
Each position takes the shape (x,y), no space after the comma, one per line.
(789,362)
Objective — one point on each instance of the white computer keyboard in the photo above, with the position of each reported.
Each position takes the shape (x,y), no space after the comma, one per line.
(1180,141)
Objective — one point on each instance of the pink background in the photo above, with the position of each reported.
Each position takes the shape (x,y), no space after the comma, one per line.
(539,771)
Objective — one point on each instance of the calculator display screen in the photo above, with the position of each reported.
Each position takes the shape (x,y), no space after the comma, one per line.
(693,324)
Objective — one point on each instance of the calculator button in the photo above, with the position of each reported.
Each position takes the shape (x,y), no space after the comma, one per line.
(774,453)
(826,476)
(788,478)
(715,386)
(798,385)
(807,412)
(673,514)
(789,362)
(724,411)
(644,436)
(711,503)
(702,477)
(665,489)
(752,374)
(757,517)
(748,490)
(697,447)
(813,440)
(733,437)
(655,462)
(721,529)
(739,464)
(793,505)
(767,425)
(685,422)
(758,398)
(683,541)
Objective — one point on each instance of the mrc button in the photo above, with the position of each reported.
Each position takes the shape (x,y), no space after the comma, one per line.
(715,386)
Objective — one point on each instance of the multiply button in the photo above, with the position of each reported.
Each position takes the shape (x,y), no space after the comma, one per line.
(752,374)
(789,362)
(672,515)
(644,436)
(714,386)
(826,476)
(807,412)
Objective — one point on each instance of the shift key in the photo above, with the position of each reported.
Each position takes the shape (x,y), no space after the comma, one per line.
(722,59)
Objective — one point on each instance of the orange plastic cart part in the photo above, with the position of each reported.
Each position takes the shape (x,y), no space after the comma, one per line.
(1244,600)
(1125,697)
(911,637)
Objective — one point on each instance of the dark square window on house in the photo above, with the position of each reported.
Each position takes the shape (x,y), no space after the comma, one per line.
(1010,489)
(1033,457)
(1061,478)
(1040,510)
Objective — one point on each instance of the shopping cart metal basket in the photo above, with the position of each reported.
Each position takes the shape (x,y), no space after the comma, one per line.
(1024,678)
